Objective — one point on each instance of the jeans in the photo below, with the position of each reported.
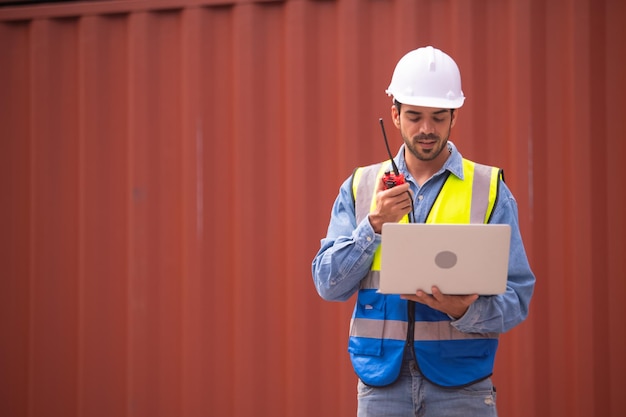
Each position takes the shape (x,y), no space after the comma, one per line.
(412,395)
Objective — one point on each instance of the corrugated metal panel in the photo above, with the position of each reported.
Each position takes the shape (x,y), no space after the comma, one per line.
(168,169)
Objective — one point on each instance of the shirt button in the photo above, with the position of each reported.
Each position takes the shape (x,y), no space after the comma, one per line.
(420,197)
(369,238)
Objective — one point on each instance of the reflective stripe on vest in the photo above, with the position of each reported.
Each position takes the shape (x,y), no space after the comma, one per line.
(424,330)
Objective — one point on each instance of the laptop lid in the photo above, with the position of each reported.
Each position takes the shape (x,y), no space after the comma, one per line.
(457,258)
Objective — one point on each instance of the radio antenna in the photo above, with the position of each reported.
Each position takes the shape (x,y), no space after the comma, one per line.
(393,163)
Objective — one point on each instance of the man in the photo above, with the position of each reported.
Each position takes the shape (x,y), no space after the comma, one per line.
(421,354)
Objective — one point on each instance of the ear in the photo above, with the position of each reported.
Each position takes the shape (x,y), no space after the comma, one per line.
(395,116)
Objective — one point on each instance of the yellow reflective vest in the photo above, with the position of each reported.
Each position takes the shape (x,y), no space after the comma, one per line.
(379,325)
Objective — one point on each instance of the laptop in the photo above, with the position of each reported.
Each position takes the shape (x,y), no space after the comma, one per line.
(457,258)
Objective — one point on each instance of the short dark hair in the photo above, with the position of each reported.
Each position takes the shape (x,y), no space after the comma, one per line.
(398,105)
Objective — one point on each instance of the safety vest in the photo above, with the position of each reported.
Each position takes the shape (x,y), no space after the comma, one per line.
(379,325)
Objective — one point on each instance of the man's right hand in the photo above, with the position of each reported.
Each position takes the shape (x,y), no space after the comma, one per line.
(391,205)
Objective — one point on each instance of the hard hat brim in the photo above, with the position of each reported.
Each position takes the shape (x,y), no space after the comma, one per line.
(436,103)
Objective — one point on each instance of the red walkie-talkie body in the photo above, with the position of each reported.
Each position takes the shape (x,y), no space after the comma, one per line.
(391,179)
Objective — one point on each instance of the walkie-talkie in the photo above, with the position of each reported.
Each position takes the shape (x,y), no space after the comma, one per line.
(390,179)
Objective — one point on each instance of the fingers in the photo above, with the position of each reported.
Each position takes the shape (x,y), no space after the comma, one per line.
(453,305)
(397,198)
(463,300)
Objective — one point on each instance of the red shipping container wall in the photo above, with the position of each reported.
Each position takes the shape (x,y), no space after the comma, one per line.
(167,170)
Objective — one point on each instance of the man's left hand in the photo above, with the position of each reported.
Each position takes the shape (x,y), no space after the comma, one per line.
(453,305)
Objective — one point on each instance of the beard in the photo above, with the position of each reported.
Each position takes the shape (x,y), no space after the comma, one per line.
(426,147)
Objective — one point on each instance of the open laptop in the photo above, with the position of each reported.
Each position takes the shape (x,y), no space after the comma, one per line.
(457,258)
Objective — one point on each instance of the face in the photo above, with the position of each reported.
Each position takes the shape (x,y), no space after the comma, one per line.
(425,130)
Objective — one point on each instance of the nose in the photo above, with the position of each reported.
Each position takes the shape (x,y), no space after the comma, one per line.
(427,126)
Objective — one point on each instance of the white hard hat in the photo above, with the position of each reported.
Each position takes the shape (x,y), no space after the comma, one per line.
(427,77)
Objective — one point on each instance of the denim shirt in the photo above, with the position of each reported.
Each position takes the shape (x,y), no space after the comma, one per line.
(346,253)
